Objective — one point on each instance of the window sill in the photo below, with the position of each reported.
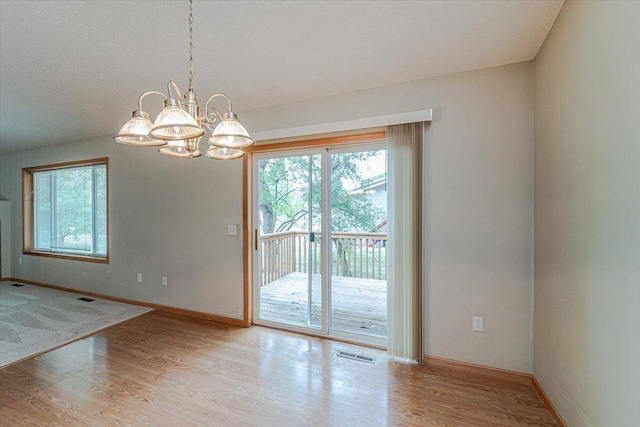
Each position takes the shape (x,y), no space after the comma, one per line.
(85,258)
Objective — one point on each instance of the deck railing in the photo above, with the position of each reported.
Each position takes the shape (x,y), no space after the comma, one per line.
(361,255)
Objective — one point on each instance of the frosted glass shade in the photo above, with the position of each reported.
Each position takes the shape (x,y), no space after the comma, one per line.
(224,153)
(136,132)
(230,134)
(181,148)
(173,123)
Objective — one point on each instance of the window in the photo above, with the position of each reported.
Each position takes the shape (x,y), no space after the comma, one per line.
(66,210)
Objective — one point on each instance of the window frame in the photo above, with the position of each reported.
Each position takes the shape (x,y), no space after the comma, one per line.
(27,211)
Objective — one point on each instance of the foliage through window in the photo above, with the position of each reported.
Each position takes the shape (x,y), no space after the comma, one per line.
(67,210)
(284,199)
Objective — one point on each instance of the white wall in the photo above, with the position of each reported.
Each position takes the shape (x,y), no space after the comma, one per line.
(479,204)
(5,238)
(168,215)
(587,214)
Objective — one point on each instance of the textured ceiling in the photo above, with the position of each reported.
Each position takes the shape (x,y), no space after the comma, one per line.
(71,70)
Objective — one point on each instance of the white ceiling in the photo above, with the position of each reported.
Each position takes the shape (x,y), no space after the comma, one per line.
(71,70)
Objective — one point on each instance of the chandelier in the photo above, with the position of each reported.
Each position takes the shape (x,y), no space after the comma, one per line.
(179,127)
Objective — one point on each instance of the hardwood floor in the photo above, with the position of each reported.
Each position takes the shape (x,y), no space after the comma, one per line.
(164,370)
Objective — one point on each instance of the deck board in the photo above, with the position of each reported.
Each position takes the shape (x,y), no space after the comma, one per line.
(359,305)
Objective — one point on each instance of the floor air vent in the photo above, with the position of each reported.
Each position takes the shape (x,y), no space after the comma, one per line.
(354,356)
(17,285)
(86,299)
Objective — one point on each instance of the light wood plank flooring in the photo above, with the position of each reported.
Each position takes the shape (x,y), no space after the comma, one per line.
(165,370)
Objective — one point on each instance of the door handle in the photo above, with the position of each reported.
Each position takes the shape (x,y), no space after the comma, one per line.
(255,239)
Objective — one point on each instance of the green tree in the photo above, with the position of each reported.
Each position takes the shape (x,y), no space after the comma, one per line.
(283,190)
(71,208)
(284,196)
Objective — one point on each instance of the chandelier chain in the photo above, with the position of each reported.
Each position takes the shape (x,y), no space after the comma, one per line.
(190,45)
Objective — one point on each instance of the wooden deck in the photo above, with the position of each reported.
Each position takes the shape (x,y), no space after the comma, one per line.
(358,305)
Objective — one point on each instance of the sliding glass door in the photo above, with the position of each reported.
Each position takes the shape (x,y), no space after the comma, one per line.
(358,206)
(320,225)
(289,224)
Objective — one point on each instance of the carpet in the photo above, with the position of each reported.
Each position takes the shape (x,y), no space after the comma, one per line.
(35,319)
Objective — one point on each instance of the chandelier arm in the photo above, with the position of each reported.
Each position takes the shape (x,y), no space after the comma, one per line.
(216,113)
(210,118)
(175,86)
(206,106)
(149,93)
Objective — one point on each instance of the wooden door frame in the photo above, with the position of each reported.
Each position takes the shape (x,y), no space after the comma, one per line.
(249,240)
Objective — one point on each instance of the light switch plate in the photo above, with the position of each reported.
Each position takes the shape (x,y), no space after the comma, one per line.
(478,324)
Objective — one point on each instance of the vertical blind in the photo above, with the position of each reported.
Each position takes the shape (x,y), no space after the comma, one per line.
(404,259)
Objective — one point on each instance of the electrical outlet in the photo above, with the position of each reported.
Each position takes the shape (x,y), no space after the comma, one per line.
(232,230)
(478,324)
(139,277)
(164,281)
(20,260)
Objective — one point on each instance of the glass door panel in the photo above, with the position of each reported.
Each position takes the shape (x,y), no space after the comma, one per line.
(359,234)
(289,224)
